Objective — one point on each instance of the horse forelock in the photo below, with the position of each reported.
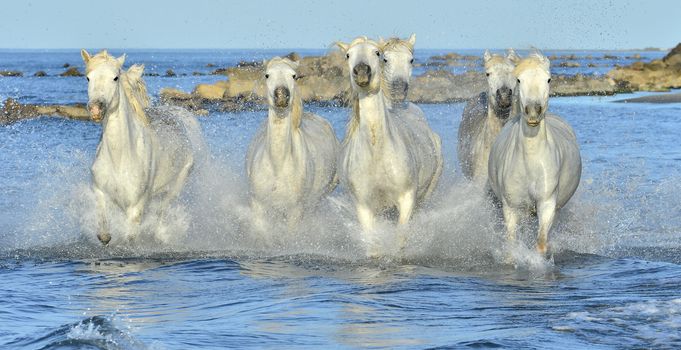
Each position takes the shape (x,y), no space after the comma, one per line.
(102,57)
(363,40)
(533,61)
(397,43)
(498,60)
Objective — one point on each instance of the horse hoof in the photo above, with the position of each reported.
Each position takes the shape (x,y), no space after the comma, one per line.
(541,249)
(105,238)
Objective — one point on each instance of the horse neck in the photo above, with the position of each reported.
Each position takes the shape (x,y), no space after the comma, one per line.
(533,138)
(372,116)
(122,127)
(493,124)
(279,136)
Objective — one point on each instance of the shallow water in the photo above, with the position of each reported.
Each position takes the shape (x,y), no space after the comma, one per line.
(613,280)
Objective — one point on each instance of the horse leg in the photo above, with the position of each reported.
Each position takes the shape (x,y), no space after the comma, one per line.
(134,215)
(174,190)
(546,212)
(293,217)
(103,227)
(259,223)
(511,219)
(405,204)
(366,220)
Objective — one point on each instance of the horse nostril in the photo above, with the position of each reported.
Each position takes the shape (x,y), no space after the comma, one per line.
(538,109)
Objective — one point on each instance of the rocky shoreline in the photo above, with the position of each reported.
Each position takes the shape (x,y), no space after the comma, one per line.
(323,80)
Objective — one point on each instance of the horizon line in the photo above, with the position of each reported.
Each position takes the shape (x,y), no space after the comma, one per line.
(330,47)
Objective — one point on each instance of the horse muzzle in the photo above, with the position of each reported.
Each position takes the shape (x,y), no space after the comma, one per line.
(281,97)
(399,89)
(97,110)
(362,75)
(534,113)
(504,97)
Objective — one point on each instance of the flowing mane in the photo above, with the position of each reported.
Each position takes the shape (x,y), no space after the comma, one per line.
(297,101)
(131,81)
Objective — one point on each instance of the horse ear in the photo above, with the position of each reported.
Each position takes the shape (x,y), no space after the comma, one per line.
(412,39)
(135,71)
(486,56)
(512,56)
(294,64)
(343,46)
(121,60)
(85,55)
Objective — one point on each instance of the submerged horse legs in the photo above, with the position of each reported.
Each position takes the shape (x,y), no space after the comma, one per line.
(366,220)
(546,212)
(405,204)
(102,225)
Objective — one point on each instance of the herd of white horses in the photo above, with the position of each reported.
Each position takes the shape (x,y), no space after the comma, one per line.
(525,158)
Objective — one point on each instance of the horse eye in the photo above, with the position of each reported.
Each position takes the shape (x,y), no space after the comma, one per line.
(549,80)
(378,53)
(295,76)
(88,79)
(518,81)
(347,55)
(487,74)
(411,61)
(116,79)
(385,60)
(267,76)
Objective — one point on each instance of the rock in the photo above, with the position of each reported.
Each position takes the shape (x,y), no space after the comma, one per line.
(293,56)
(73,112)
(174,94)
(40,73)
(579,84)
(210,65)
(151,74)
(609,57)
(197,74)
(569,64)
(11,73)
(71,72)
(219,71)
(441,86)
(657,75)
(170,73)
(13,111)
(636,56)
(211,91)
(66,65)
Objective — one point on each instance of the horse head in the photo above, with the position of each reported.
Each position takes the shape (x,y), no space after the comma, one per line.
(398,58)
(501,82)
(533,78)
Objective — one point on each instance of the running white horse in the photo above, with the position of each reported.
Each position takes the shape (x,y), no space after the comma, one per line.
(485,115)
(145,153)
(534,164)
(386,162)
(291,161)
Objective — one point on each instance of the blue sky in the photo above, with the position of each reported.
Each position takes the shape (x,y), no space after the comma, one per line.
(315,24)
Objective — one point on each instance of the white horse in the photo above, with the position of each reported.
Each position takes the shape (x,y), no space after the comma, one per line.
(291,162)
(385,162)
(144,153)
(485,115)
(534,164)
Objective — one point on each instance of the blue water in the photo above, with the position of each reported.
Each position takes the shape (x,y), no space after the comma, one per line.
(613,282)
